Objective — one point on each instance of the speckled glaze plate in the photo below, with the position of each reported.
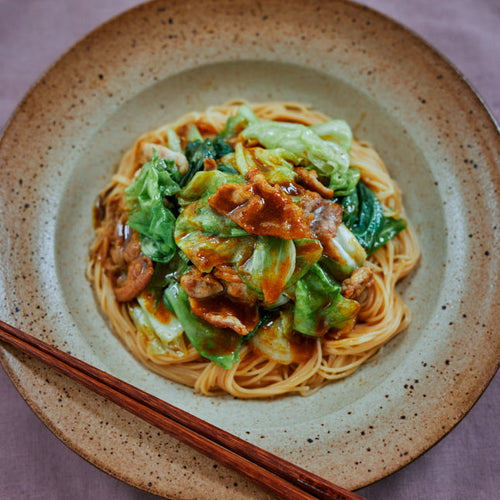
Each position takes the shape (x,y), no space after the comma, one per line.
(156,62)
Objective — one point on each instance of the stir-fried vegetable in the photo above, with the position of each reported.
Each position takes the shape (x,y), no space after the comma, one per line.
(198,151)
(364,215)
(205,184)
(270,267)
(148,214)
(245,227)
(329,158)
(219,345)
(159,325)
(275,338)
(319,305)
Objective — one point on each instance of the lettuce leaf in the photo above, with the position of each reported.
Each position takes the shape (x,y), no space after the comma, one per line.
(174,142)
(330,159)
(276,165)
(350,252)
(234,124)
(307,252)
(273,338)
(204,184)
(209,239)
(162,331)
(335,130)
(243,160)
(166,273)
(147,212)
(200,216)
(319,305)
(270,267)
(349,256)
(220,345)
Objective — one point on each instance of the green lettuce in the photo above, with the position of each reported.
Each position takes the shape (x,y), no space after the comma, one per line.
(200,216)
(148,215)
(243,159)
(319,305)
(350,255)
(193,134)
(166,273)
(208,238)
(307,252)
(234,124)
(330,159)
(174,142)
(276,165)
(270,267)
(204,184)
(220,345)
(335,130)
(273,338)
(350,252)
(164,336)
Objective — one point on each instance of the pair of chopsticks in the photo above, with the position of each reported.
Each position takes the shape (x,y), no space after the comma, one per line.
(280,477)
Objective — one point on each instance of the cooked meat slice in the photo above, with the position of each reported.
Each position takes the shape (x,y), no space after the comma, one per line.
(309,179)
(261,209)
(227,273)
(240,292)
(146,153)
(133,270)
(199,285)
(221,298)
(139,274)
(353,286)
(129,270)
(209,164)
(224,312)
(310,201)
(233,284)
(233,196)
(132,244)
(327,219)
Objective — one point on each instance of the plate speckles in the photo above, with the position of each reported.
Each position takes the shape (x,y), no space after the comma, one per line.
(161,59)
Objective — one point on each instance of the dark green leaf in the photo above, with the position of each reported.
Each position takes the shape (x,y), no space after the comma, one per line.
(363,215)
(390,228)
(227,168)
(197,151)
(221,147)
(168,272)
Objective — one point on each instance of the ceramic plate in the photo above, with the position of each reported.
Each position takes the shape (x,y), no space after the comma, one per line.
(148,67)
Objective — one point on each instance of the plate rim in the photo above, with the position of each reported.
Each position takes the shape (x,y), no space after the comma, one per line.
(420,40)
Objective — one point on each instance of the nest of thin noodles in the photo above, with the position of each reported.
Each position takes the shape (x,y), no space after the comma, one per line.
(383,313)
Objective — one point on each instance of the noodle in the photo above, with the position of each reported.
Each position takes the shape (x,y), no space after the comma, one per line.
(383,313)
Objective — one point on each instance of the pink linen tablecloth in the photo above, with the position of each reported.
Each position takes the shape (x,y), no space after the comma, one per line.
(34,464)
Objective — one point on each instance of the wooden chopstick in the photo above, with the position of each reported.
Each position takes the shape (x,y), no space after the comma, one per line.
(282,478)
